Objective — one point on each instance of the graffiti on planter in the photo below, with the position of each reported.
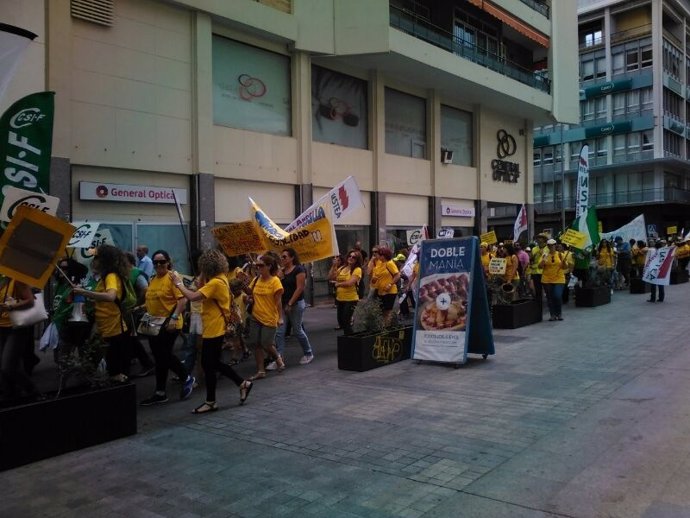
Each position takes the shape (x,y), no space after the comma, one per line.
(387,348)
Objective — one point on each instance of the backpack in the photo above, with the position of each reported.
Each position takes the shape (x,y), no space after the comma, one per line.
(128,302)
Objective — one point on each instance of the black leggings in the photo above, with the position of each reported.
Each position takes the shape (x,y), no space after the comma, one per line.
(13,342)
(117,354)
(344,312)
(162,349)
(210,362)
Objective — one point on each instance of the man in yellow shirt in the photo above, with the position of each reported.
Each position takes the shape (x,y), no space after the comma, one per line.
(536,254)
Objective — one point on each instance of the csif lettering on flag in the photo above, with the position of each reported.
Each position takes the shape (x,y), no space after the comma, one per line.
(582,181)
(26,139)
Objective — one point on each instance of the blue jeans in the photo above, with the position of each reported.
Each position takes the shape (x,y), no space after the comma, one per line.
(554,298)
(294,316)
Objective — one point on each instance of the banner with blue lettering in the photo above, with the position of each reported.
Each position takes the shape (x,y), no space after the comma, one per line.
(452,314)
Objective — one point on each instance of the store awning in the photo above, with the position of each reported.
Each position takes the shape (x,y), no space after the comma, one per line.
(513,22)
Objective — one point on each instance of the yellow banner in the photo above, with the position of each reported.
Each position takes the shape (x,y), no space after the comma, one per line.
(671,230)
(574,238)
(489,238)
(30,246)
(240,238)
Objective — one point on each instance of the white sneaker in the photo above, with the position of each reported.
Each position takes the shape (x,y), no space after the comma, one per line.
(271,366)
(306,360)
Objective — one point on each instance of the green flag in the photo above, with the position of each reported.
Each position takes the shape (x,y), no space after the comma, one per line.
(588,224)
(26,141)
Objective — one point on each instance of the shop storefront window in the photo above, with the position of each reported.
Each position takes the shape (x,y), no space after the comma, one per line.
(339,108)
(168,237)
(251,88)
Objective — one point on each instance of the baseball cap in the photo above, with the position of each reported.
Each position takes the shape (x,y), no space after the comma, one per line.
(483,244)
(551,242)
(400,257)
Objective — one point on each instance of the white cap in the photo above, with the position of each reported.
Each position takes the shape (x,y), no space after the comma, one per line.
(551,242)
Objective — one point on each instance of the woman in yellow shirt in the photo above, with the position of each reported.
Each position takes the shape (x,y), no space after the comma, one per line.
(384,277)
(164,300)
(605,260)
(215,308)
(346,280)
(267,314)
(554,265)
(110,263)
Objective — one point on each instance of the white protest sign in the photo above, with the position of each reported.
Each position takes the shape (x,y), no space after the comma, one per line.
(102,237)
(657,267)
(497,265)
(84,235)
(445,233)
(15,197)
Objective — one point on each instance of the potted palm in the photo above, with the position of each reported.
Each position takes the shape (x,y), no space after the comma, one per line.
(375,342)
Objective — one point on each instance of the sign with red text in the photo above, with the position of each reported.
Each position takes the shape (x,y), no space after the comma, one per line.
(131,193)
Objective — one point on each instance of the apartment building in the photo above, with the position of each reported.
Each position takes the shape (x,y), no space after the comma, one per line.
(634,65)
(429,104)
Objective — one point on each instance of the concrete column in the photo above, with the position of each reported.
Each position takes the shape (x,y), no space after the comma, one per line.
(204,217)
(59,72)
(378,146)
(202,94)
(301,119)
(60,185)
(657,78)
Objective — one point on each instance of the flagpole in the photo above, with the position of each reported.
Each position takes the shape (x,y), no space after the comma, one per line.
(562,183)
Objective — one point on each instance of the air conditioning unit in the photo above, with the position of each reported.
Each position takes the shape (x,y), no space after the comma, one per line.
(446,156)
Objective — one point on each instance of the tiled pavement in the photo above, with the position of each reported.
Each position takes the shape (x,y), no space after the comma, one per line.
(585,417)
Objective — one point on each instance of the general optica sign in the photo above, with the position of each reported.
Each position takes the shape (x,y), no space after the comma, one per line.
(131,193)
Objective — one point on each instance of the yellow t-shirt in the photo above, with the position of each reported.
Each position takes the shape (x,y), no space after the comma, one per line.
(486,259)
(241,302)
(605,259)
(265,310)
(217,296)
(383,273)
(161,298)
(233,274)
(552,272)
(535,259)
(108,315)
(347,293)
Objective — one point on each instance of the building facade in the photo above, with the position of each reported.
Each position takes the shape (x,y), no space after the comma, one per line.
(634,63)
(429,104)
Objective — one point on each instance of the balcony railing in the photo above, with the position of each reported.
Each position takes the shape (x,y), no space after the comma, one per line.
(423,29)
(633,33)
(611,199)
(540,7)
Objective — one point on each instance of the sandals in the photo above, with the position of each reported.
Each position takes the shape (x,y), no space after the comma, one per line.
(205,407)
(258,376)
(245,389)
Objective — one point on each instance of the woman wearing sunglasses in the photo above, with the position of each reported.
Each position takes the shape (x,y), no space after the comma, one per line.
(164,300)
(346,280)
(215,296)
(266,314)
(554,265)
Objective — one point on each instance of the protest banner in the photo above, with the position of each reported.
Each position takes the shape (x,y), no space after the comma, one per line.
(240,238)
(31,245)
(574,238)
(657,266)
(312,242)
(84,254)
(671,230)
(497,265)
(336,204)
(489,238)
(636,229)
(84,235)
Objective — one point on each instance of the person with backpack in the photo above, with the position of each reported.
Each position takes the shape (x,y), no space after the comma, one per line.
(113,297)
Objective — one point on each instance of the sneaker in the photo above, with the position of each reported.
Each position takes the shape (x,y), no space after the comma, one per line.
(154,400)
(306,359)
(272,366)
(187,387)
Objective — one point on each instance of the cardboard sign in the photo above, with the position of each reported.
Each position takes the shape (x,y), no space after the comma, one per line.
(445,233)
(239,238)
(671,230)
(31,245)
(489,238)
(574,238)
(452,313)
(657,267)
(15,197)
(414,236)
(83,255)
(497,265)
(84,235)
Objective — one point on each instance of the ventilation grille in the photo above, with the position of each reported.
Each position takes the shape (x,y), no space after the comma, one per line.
(94,11)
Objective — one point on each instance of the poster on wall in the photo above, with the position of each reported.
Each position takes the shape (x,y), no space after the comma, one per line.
(251,88)
(452,314)
(339,108)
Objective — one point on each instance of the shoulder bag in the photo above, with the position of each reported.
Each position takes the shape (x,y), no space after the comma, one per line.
(30,316)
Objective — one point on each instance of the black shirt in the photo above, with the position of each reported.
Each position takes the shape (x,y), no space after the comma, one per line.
(289,281)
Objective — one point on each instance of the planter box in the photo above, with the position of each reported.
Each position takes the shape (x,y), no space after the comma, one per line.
(592,297)
(43,429)
(519,313)
(638,286)
(679,276)
(362,352)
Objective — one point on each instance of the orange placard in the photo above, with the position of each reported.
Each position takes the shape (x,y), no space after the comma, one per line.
(31,245)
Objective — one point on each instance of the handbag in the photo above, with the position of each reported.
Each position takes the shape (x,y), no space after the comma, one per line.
(150,325)
(30,316)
